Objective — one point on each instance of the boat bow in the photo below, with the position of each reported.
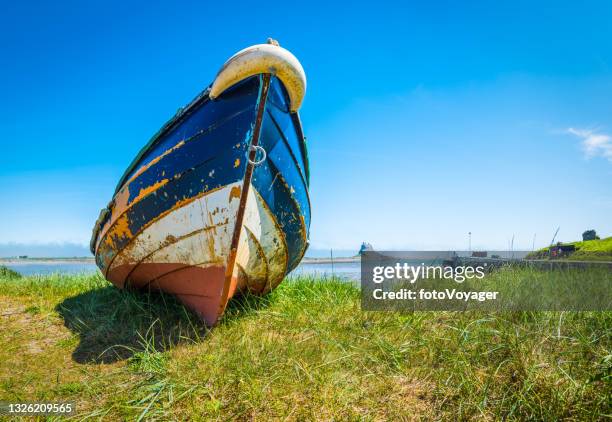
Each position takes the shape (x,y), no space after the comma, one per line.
(263,58)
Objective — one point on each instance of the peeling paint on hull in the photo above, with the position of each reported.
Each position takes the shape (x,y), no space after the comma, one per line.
(193,218)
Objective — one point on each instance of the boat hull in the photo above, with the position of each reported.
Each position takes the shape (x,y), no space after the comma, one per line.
(196,215)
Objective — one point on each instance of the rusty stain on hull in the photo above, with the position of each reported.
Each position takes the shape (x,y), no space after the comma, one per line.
(149,189)
(120,229)
(234,193)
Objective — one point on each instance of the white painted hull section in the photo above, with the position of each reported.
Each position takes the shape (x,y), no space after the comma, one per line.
(197,236)
(199,232)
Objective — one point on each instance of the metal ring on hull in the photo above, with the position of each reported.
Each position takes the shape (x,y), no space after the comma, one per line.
(263,58)
(256,148)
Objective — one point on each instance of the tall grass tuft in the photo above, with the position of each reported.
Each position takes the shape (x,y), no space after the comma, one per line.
(6,273)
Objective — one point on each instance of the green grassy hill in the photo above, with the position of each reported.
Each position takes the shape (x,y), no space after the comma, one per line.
(590,250)
(306,351)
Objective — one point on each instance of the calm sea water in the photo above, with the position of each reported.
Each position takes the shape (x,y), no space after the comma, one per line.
(348,270)
(45,268)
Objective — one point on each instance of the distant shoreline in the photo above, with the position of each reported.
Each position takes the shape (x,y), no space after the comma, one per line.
(329,260)
(85,260)
(18,261)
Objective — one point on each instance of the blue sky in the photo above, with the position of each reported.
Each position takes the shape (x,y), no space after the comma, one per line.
(423,122)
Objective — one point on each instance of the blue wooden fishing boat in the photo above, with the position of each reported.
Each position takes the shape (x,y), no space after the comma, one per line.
(216,203)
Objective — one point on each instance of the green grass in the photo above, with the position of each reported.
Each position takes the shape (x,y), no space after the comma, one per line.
(6,273)
(594,249)
(590,250)
(306,351)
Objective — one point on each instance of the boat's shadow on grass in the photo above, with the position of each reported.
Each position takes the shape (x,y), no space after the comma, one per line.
(115,324)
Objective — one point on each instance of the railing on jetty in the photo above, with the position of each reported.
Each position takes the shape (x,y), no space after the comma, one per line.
(543,264)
